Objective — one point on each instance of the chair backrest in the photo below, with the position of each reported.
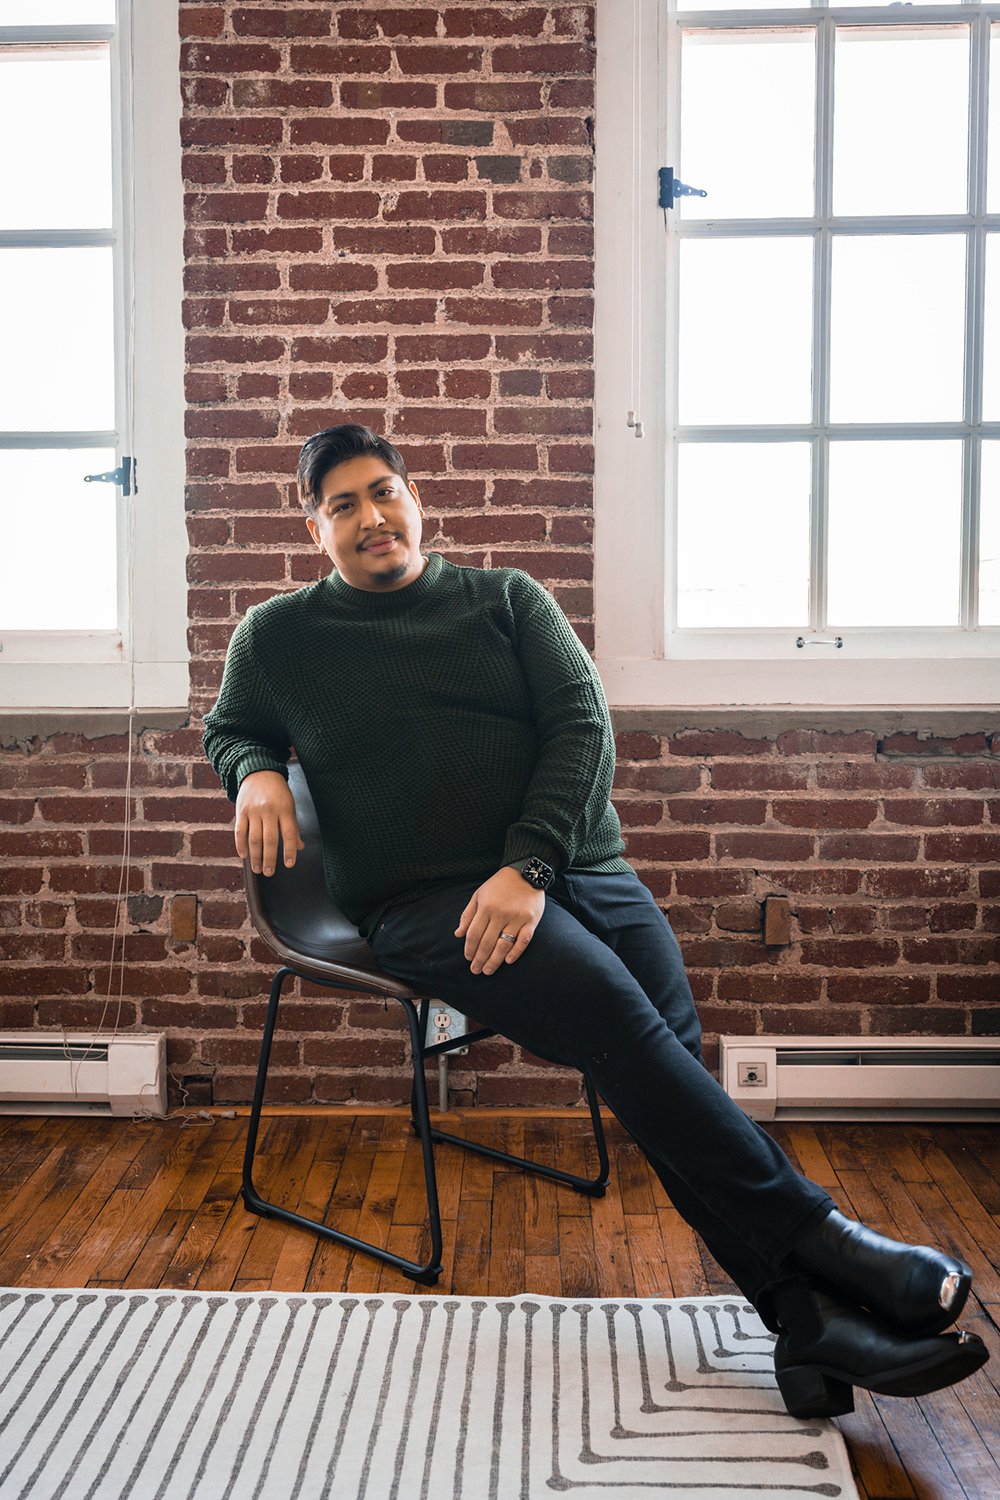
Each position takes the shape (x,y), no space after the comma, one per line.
(296,916)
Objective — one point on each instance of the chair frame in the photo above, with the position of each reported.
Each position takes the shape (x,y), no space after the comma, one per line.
(426,1272)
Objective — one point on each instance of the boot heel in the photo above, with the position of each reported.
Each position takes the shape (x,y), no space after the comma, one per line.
(807,1392)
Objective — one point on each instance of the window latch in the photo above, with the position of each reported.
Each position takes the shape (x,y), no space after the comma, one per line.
(671,188)
(125,475)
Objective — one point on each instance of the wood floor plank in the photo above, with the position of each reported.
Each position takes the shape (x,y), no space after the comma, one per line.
(449,1164)
(880,1474)
(25,1141)
(633,1177)
(477,1171)
(69,1256)
(226,1255)
(958,1436)
(577,1256)
(612,1262)
(159,1248)
(542,1276)
(650,1268)
(506,1269)
(298,1247)
(68,1163)
(284,1183)
(201,1170)
(953,1187)
(471,1258)
(920,1454)
(43,1216)
(950,1232)
(414,1242)
(541,1194)
(118,1233)
(687,1274)
(331,1262)
(375,1218)
(576,1152)
(813,1159)
(203,1231)
(411,1202)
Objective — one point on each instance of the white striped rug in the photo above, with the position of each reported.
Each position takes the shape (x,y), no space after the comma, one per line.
(170,1395)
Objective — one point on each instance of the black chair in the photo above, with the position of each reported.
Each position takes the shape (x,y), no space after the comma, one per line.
(294,914)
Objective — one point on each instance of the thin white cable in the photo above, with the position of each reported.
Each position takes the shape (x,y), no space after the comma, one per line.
(126,246)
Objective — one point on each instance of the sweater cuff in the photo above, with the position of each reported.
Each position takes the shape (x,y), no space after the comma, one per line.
(256,760)
(525,843)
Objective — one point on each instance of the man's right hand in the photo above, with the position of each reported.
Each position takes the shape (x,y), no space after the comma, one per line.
(265,807)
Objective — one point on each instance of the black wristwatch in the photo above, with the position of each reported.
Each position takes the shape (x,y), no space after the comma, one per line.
(537,873)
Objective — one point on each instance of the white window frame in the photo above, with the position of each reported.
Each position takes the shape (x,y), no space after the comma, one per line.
(643,659)
(143,664)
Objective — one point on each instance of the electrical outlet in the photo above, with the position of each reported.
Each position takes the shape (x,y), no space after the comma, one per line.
(752,1074)
(443,1025)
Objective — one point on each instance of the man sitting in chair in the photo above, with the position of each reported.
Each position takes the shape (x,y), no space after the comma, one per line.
(458,748)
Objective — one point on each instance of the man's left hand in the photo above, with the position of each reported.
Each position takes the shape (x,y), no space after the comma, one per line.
(504,907)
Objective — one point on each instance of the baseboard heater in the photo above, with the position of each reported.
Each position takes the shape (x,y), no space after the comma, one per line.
(863,1078)
(77,1073)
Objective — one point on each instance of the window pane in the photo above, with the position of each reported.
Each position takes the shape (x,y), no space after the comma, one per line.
(768,83)
(991,337)
(743,534)
(993,147)
(895,533)
(745,330)
(683,5)
(57,165)
(57,314)
(898,331)
(58,568)
(989,537)
(900,120)
(57,12)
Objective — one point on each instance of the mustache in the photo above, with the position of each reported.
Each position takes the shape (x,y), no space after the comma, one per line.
(383,536)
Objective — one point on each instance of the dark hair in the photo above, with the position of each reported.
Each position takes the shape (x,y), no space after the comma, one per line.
(335,445)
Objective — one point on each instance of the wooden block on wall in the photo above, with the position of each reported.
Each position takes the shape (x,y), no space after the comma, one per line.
(777,922)
(184,919)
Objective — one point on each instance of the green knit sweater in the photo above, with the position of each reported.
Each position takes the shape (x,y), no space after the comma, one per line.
(445,729)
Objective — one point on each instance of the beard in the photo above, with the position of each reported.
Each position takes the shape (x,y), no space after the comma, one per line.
(392,575)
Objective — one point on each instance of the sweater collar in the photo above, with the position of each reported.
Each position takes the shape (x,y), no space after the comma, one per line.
(367,604)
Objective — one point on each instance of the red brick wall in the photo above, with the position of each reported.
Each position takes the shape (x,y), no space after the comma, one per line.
(389,220)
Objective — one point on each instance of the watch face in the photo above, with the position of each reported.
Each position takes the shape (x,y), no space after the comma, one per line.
(538,874)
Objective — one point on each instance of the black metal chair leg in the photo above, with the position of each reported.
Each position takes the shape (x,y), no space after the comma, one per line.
(593,1187)
(427,1272)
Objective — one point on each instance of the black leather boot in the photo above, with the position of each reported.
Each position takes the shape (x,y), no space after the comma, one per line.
(912,1286)
(825,1347)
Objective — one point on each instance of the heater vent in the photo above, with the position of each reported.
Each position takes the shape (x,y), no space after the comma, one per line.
(857,1078)
(82,1074)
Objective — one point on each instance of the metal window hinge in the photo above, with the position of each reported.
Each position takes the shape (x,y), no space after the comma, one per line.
(632,420)
(125,475)
(670,188)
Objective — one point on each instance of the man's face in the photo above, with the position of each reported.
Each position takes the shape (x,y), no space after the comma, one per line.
(368,522)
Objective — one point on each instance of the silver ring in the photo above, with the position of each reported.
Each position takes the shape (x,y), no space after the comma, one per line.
(507,937)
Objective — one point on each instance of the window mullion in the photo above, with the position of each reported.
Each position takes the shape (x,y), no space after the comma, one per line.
(975,320)
(823,255)
(673,225)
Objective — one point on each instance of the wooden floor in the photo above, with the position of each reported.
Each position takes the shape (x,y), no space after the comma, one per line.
(104,1203)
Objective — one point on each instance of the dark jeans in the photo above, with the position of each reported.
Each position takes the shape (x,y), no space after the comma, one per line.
(601,987)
